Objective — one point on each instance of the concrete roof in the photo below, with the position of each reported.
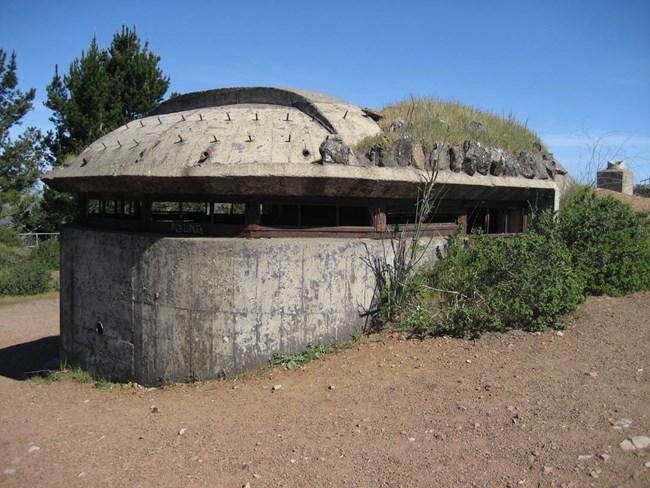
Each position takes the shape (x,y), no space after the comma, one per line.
(248,141)
(208,132)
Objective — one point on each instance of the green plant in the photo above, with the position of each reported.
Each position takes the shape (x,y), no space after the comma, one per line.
(78,375)
(64,373)
(397,281)
(25,279)
(9,237)
(417,318)
(12,255)
(609,243)
(103,384)
(48,253)
(525,282)
(312,352)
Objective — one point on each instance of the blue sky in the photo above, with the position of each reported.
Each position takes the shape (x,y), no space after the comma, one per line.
(576,72)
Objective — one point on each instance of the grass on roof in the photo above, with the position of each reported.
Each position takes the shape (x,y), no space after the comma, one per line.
(430,120)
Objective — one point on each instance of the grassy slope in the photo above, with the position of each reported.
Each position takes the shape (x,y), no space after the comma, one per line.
(430,120)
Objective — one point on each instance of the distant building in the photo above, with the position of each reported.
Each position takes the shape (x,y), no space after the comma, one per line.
(616,178)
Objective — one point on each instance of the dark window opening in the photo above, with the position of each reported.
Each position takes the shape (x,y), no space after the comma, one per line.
(113,209)
(355,216)
(406,215)
(178,211)
(318,216)
(280,215)
(315,216)
(228,213)
(495,220)
(198,212)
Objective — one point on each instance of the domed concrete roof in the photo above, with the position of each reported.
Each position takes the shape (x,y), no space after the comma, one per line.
(253,141)
(221,137)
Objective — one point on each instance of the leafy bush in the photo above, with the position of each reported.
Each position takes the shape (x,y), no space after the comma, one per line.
(24,279)
(10,256)
(9,237)
(609,243)
(593,245)
(48,253)
(525,282)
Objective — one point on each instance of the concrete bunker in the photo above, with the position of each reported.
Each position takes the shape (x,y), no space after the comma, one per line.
(230,224)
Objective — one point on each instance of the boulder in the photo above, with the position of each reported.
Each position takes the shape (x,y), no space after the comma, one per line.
(503,163)
(550,165)
(440,157)
(476,127)
(455,159)
(527,165)
(534,162)
(476,158)
(405,147)
(334,151)
(418,160)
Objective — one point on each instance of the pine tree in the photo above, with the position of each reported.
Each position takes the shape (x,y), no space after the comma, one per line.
(103,89)
(21,159)
(138,83)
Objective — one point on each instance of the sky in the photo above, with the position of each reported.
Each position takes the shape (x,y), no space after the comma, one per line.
(576,72)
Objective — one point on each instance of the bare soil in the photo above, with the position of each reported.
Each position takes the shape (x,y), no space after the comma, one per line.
(515,409)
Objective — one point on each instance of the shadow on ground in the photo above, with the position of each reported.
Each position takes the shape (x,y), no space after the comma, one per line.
(19,360)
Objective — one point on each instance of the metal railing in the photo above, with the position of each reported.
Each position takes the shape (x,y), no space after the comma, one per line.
(32,239)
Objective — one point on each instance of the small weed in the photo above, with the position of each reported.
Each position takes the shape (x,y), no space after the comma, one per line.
(77,375)
(64,374)
(313,351)
(103,384)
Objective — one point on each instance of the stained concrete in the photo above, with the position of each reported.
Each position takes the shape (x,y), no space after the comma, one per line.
(176,309)
(257,141)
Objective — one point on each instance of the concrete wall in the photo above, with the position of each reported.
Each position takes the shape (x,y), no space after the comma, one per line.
(621,181)
(185,308)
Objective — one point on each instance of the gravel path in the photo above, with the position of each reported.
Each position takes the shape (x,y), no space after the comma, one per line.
(513,409)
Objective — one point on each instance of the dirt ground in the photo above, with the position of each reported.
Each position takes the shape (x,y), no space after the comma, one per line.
(514,409)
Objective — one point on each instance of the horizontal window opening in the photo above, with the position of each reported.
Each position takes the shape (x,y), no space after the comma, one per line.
(292,217)
(114,209)
(406,215)
(315,215)
(495,220)
(198,212)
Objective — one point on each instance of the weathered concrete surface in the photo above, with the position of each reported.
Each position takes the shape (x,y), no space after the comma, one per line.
(184,308)
(212,131)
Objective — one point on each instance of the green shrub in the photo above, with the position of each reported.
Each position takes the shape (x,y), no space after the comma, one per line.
(524,282)
(609,242)
(24,279)
(593,245)
(48,253)
(10,256)
(9,237)
(416,318)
